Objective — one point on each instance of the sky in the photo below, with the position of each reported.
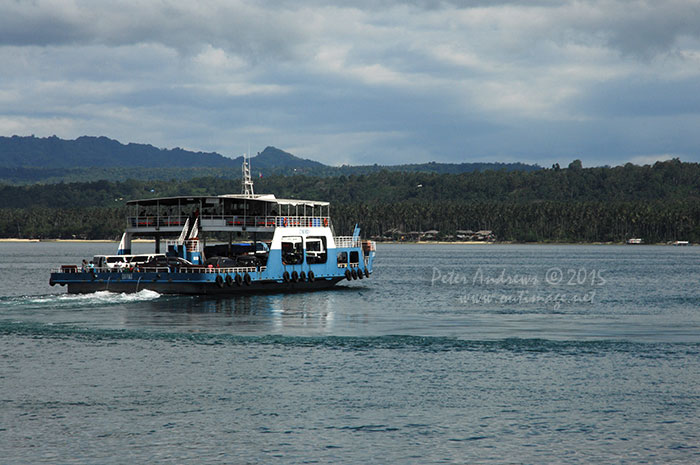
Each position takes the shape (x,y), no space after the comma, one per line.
(382,81)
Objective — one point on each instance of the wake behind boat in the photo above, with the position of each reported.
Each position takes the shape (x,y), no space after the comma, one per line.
(281,245)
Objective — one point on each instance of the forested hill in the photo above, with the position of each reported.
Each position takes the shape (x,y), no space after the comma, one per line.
(657,203)
(670,180)
(49,160)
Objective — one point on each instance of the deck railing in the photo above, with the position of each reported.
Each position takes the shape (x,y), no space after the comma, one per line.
(192,245)
(230,270)
(152,221)
(158,269)
(346,241)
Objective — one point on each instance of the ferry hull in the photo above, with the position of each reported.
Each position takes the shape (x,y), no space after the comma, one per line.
(166,286)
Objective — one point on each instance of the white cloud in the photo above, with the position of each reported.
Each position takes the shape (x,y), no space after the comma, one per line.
(217,59)
(650,159)
(439,80)
(25,126)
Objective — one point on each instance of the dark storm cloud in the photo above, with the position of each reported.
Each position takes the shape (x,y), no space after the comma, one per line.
(185,26)
(643,28)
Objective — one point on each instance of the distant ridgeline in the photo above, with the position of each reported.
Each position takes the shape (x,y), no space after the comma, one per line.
(31,159)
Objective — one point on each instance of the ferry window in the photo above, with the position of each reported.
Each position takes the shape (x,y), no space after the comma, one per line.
(343,257)
(292,250)
(316,250)
(354,257)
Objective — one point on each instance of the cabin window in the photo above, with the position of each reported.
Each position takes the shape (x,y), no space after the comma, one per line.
(292,250)
(316,250)
(342,258)
(354,257)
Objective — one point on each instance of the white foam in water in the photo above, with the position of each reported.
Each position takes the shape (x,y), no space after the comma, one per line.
(103,297)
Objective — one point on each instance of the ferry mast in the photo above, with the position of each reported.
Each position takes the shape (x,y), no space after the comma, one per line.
(247,180)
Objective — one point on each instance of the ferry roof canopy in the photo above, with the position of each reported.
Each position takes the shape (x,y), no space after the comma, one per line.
(193,199)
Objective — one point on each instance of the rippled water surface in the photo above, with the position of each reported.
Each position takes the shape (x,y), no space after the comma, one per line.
(447,354)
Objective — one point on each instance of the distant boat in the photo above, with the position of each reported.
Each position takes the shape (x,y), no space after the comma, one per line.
(681,243)
(635,240)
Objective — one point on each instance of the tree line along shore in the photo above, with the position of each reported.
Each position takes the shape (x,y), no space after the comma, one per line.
(659,203)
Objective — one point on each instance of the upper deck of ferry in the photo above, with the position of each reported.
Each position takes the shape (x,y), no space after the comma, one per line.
(231,212)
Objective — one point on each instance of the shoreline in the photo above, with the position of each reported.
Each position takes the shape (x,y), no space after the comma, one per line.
(147,241)
(521,243)
(11,239)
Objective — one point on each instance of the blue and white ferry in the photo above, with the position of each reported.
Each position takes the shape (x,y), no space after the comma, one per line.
(225,244)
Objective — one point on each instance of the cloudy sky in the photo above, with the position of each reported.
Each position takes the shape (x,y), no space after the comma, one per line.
(379,81)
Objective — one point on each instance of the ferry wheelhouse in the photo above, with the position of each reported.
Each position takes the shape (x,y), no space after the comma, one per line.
(226,244)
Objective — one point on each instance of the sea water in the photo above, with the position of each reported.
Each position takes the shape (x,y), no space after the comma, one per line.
(447,354)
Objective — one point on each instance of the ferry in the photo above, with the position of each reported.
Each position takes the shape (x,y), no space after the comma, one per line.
(225,244)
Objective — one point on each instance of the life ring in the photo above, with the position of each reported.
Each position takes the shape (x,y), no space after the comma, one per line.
(247,279)
(302,276)
(348,274)
(295,276)
(285,222)
(325,222)
(239,280)
(219,281)
(229,280)
(285,276)
(311,276)
(354,273)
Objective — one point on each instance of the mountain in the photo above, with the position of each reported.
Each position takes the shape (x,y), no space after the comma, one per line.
(275,161)
(98,152)
(51,159)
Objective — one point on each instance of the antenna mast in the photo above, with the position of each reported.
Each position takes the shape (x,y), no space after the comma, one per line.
(247,180)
